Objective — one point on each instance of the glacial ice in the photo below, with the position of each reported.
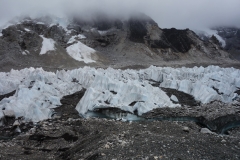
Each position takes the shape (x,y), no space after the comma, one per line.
(38,91)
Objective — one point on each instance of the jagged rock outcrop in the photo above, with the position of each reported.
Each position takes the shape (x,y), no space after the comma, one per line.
(138,27)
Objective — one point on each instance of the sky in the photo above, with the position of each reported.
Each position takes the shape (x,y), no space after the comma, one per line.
(181,14)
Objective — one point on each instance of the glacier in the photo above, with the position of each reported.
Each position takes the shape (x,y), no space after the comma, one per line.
(38,92)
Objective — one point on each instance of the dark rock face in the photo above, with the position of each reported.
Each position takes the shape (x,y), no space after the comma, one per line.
(137,31)
(179,39)
(3,47)
(143,29)
(138,27)
(31,41)
(183,98)
(21,40)
(55,32)
(160,43)
(36,27)
(11,34)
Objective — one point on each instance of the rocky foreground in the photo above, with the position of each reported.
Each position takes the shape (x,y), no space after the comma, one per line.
(110,139)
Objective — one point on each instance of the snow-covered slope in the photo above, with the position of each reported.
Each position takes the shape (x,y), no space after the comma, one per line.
(38,91)
(81,52)
(48,44)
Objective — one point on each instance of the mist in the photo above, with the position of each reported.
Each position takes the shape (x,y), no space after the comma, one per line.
(180,14)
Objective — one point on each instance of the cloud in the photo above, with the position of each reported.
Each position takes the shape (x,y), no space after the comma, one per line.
(194,14)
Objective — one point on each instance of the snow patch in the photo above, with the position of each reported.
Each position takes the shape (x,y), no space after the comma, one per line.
(51,25)
(27,30)
(1,34)
(81,52)
(26,52)
(48,44)
(40,23)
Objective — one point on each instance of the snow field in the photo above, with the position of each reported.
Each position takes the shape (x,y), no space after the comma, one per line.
(48,44)
(81,52)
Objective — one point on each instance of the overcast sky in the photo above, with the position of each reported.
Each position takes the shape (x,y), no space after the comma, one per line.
(194,14)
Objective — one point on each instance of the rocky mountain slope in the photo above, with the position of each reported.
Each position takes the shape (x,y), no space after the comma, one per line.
(54,43)
(227,37)
(232,39)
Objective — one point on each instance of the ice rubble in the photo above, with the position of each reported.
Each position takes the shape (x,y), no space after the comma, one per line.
(38,91)
(174,98)
(48,44)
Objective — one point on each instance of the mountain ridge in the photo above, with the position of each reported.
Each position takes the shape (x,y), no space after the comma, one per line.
(116,43)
